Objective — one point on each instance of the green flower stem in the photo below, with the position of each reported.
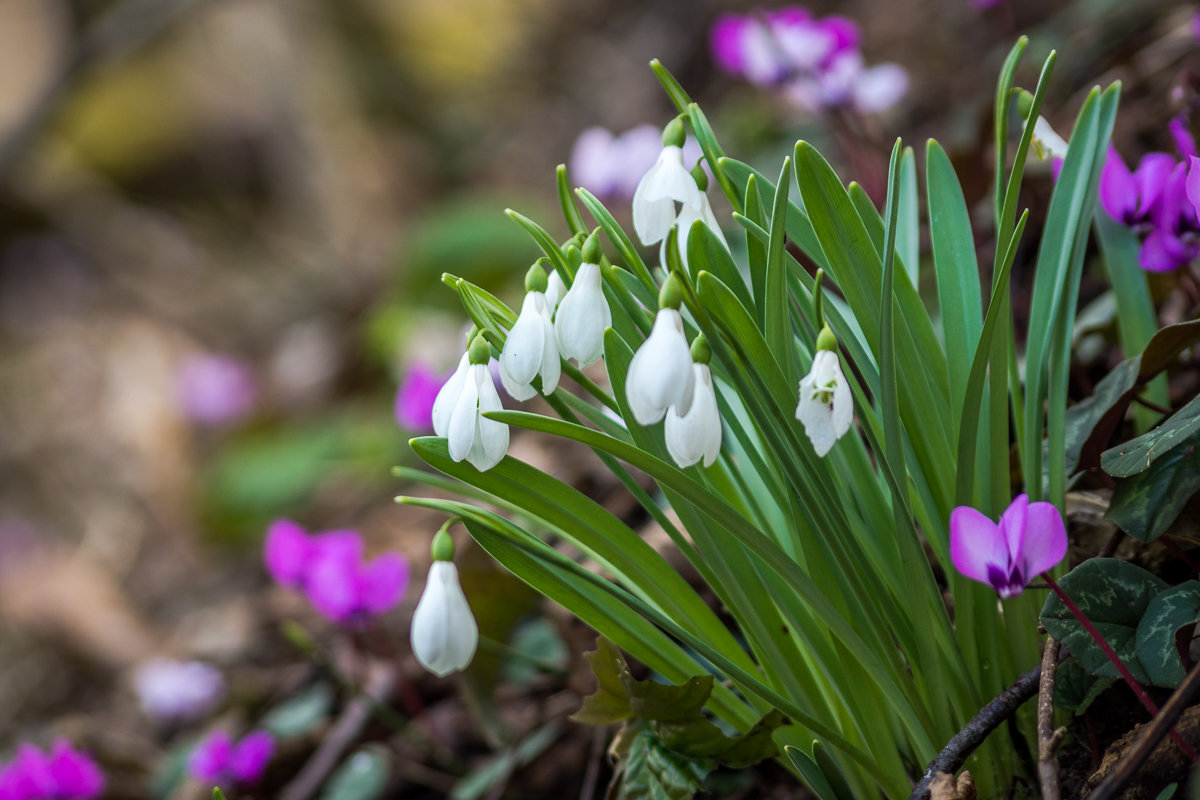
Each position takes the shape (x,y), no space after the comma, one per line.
(1115,659)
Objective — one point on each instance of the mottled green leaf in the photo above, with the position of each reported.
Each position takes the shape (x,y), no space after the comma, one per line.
(1146,504)
(1114,595)
(650,771)
(1167,613)
(1075,689)
(362,776)
(1138,454)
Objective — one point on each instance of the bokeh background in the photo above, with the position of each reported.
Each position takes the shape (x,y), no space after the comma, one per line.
(262,195)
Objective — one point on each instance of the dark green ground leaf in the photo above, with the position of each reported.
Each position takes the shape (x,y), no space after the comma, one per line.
(362,776)
(1167,613)
(300,713)
(610,702)
(653,772)
(1146,504)
(1114,595)
(1138,454)
(1075,689)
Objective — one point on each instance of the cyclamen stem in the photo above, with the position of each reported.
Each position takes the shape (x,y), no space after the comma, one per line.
(1116,660)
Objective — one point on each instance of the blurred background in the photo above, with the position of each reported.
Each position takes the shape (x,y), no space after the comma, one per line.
(222,229)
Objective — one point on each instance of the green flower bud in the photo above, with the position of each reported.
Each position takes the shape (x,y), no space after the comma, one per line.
(674,134)
(591,248)
(535,279)
(701,352)
(671,293)
(700,176)
(480,351)
(443,546)
(573,256)
(1024,103)
(826,340)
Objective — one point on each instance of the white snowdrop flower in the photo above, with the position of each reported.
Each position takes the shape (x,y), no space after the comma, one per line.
(696,434)
(443,634)
(689,214)
(470,435)
(531,348)
(666,183)
(555,289)
(660,374)
(1046,142)
(583,315)
(447,396)
(826,407)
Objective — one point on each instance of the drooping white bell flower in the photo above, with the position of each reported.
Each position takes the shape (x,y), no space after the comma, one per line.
(666,183)
(443,634)
(689,214)
(696,434)
(583,316)
(826,406)
(470,435)
(531,348)
(447,397)
(660,374)
(1046,141)
(555,290)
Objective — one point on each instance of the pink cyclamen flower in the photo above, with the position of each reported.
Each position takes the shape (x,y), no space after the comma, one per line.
(331,571)
(414,399)
(62,774)
(212,389)
(171,691)
(1130,197)
(1029,539)
(219,761)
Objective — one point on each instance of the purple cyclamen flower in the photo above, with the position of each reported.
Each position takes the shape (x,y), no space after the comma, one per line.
(219,761)
(62,774)
(329,568)
(1029,539)
(171,691)
(213,389)
(1129,197)
(414,398)
(1175,238)
(1184,141)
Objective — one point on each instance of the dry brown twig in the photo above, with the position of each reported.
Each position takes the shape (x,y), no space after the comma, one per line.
(1048,737)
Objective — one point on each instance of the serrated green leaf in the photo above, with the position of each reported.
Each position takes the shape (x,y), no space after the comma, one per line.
(1114,595)
(1138,455)
(1167,613)
(610,702)
(362,776)
(1146,504)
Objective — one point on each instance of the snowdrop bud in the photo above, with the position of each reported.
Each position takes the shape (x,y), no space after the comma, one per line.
(826,407)
(535,279)
(660,374)
(671,293)
(1024,103)
(695,434)
(573,256)
(582,317)
(591,248)
(444,634)
(701,352)
(700,176)
(530,349)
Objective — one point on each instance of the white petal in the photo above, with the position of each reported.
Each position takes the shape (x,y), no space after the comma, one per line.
(825,422)
(582,318)
(660,374)
(1051,143)
(522,354)
(447,397)
(696,434)
(663,185)
(444,634)
(688,216)
(490,436)
(555,289)
(551,368)
(461,433)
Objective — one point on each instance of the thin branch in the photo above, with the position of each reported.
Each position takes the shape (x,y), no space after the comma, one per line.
(1137,398)
(1047,742)
(960,747)
(1154,733)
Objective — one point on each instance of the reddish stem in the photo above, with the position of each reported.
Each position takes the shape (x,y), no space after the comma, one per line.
(1116,660)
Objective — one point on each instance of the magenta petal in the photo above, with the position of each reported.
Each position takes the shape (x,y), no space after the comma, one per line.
(1192,185)
(286,552)
(1118,191)
(976,544)
(210,759)
(76,775)
(345,544)
(32,775)
(331,587)
(1012,526)
(414,398)
(726,40)
(1151,179)
(382,583)
(1045,541)
(1184,140)
(1158,253)
(249,759)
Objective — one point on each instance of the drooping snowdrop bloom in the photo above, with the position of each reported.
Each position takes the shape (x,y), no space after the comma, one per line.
(666,183)
(177,691)
(531,348)
(1046,141)
(219,761)
(660,374)
(64,773)
(583,314)
(1029,539)
(696,434)
(444,634)
(447,396)
(555,291)
(470,435)
(689,214)
(826,407)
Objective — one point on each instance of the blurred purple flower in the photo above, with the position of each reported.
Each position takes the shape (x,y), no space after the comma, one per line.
(1130,197)
(611,165)
(1175,237)
(330,570)
(212,389)
(1029,539)
(62,774)
(218,761)
(414,399)
(171,691)
(1184,140)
